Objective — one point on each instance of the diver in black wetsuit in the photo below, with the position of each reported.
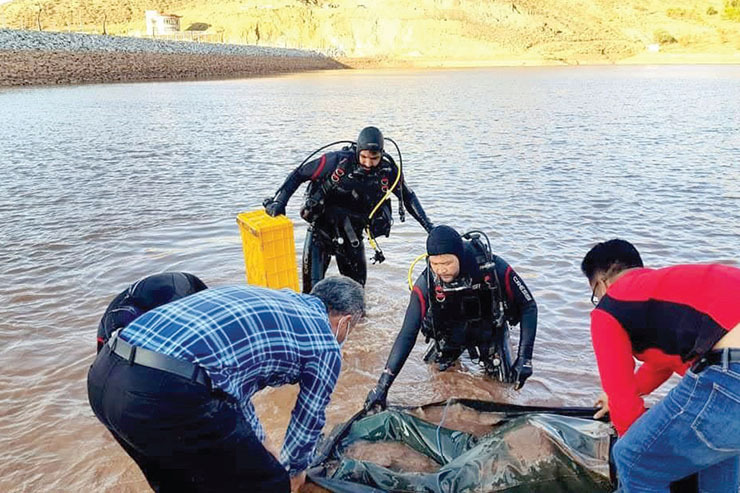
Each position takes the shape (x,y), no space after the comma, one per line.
(345,188)
(144,295)
(464,300)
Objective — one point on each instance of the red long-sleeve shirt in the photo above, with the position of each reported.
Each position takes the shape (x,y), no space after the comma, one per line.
(665,318)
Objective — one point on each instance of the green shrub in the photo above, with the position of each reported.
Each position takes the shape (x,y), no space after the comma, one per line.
(732,10)
(677,13)
(663,37)
(711,11)
(684,14)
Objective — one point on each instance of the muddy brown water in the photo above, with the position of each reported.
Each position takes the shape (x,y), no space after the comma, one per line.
(104,184)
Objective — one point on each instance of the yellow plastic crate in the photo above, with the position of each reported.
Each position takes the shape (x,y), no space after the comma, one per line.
(269,250)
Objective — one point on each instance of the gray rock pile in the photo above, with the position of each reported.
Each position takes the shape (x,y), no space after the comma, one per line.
(15,40)
(36,58)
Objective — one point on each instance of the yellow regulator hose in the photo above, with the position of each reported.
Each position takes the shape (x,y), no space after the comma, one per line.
(411,270)
(370,238)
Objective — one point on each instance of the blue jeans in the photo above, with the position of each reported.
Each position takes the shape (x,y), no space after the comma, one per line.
(696,428)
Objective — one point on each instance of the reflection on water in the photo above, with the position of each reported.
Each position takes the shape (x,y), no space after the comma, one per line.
(102,185)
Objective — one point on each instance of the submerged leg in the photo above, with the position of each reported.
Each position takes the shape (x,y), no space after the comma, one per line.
(498,364)
(352,263)
(315,260)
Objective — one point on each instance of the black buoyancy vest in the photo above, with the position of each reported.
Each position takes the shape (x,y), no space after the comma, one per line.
(469,312)
(351,191)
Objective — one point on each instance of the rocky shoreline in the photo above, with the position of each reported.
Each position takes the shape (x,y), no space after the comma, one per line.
(38,58)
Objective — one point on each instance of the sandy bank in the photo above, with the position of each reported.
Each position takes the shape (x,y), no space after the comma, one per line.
(20,68)
(646,58)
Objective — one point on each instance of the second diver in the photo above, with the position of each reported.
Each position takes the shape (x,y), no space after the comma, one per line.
(464,300)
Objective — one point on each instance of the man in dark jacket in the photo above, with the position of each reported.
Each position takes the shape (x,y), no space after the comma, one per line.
(144,295)
(347,194)
(465,299)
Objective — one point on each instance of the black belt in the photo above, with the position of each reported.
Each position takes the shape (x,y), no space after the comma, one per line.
(158,361)
(715,358)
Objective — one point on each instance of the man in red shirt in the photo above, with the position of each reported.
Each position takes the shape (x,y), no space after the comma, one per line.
(683,319)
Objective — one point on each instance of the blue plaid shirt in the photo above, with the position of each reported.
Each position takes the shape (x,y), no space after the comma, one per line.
(247,338)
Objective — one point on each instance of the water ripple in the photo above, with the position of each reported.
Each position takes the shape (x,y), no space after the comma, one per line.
(105,184)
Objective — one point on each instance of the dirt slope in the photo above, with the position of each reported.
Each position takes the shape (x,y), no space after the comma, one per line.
(429,32)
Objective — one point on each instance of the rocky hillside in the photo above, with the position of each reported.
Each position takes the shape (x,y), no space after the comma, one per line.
(448,31)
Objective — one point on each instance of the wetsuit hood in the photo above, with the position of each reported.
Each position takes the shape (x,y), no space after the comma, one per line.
(370,139)
(443,240)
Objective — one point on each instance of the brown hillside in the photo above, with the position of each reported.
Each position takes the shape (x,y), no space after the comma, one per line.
(429,31)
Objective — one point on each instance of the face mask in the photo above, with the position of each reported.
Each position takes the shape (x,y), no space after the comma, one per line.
(341,344)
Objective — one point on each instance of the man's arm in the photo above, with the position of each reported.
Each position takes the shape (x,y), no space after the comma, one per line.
(656,369)
(616,364)
(650,378)
(317,381)
(312,170)
(412,204)
(522,308)
(403,345)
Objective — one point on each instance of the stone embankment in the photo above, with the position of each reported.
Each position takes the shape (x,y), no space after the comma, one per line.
(32,57)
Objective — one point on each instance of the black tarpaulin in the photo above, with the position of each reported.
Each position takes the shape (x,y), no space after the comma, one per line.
(526,449)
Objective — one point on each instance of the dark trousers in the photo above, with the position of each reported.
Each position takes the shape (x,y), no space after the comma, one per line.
(317,252)
(183,436)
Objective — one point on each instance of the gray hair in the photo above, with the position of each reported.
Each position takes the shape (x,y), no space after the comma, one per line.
(341,295)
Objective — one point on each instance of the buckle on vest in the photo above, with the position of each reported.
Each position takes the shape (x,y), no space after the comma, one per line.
(439,293)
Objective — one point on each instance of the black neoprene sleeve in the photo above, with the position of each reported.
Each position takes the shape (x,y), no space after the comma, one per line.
(295,178)
(406,338)
(521,306)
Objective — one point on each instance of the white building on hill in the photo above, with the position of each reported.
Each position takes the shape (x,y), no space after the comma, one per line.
(159,23)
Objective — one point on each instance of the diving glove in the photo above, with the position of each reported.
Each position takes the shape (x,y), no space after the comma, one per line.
(522,369)
(274,208)
(377,396)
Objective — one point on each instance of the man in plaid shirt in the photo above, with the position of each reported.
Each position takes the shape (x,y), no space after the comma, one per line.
(174,386)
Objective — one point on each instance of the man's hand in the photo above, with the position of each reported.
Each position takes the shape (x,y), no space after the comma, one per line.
(376,397)
(603,403)
(297,481)
(522,371)
(274,208)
